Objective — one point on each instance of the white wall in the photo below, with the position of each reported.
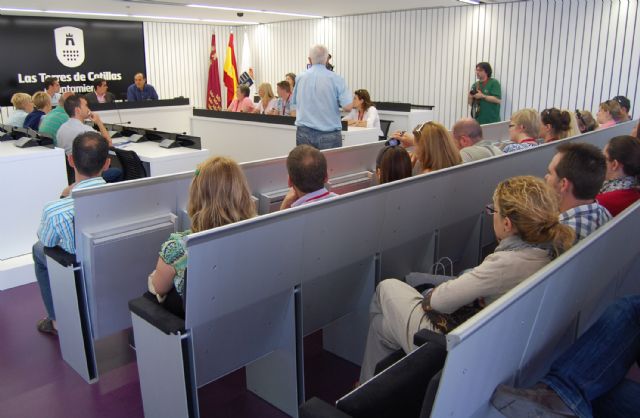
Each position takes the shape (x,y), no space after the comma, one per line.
(562,53)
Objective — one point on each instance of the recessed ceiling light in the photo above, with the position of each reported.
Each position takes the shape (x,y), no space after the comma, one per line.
(234,22)
(470,1)
(236,9)
(187,19)
(6,9)
(72,12)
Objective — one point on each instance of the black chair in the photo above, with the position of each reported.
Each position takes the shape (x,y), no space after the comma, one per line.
(71,174)
(404,389)
(132,166)
(384,127)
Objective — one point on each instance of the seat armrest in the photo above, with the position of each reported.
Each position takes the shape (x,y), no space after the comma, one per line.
(148,308)
(61,256)
(424,335)
(317,408)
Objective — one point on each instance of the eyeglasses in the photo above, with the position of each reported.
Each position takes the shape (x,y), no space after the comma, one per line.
(490,209)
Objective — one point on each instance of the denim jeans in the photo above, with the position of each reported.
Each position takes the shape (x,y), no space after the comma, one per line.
(318,139)
(42,275)
(590,375)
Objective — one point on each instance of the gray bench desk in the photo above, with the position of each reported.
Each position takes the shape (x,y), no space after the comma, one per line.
(316,266)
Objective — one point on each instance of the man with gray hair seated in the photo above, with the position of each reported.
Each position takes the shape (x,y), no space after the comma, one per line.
(318,95)
(467,134)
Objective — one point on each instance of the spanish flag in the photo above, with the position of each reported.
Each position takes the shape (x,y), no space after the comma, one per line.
(230,72)
(213,85)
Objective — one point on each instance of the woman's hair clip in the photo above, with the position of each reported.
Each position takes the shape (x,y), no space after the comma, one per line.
(196,173)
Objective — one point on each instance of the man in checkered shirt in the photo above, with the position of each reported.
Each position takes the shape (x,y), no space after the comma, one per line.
(577,172)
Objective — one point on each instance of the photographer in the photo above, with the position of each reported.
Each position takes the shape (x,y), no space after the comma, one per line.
(484,96)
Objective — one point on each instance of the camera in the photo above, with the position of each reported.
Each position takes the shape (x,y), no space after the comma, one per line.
(239,14)
(473,91)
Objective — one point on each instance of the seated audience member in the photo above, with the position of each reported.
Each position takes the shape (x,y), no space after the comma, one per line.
(523,130)
(392,163)
(467,133)
(554,124)
(140,90)
(267,100)
(52,88)
(525,222)
(41,106)
(284,105)
(589,379)
(586,121)
(576,173)
(53,120)
(22,106)
(307,168)
(291,79)
(608,113)
(636,131)
(573,127)
(78,111)
(88,159)
(621,188)
(364,114)
(435,149)
(100,93)
(219,195)
(242,102)
(625,108)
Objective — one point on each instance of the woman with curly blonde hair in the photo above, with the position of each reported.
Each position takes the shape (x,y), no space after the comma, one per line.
(525,220)
(219,195)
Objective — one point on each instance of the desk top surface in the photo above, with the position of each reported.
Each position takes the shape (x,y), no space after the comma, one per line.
(8,151)
(152,150)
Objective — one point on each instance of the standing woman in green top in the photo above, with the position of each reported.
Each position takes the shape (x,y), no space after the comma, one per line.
(219,195)
(485,96)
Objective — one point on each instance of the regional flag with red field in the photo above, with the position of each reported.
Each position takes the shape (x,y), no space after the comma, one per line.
(230,71)
(214,92)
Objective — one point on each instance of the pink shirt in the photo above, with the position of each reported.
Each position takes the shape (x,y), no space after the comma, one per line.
(246,105)
(607,124)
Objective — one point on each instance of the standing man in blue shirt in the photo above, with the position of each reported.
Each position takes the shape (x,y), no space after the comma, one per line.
(140,90)
(318,95)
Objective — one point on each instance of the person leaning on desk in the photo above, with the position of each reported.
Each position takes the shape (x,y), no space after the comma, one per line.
(140,90)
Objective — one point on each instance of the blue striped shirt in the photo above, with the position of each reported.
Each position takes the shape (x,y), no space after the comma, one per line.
(56,226)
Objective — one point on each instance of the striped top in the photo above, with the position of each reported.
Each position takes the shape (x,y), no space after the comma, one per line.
(56,226)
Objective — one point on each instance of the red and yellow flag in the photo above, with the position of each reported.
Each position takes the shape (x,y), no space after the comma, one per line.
(230,72)
(214,91)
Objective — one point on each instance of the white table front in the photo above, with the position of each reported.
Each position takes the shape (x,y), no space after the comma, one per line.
(246,141)
(163,118)
(406,121)
(29,179)
(160,161)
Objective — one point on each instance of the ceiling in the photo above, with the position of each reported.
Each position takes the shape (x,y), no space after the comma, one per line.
(177,10)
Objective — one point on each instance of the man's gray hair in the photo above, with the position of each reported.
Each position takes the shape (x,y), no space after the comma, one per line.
(469,127)
(318,54)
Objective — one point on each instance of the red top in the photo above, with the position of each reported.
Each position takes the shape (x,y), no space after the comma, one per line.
(618,200)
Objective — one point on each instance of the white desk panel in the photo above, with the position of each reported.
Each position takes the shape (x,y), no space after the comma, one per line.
(163,118)
(246,141)
(29,179)
(405,121)
(160,161)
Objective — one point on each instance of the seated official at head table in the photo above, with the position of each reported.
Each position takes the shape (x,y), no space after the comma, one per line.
(267,100)
(89,158)
(525,221)
(219,195)
(364,114)
(307,168)
(242,102)
(42,105)
(284,105)
(22,106)
(140,90)
(100,93)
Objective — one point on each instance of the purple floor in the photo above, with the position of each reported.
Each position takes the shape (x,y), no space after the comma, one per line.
(36,382)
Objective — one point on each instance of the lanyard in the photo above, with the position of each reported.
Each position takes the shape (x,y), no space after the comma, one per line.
(284,105)
(320,196)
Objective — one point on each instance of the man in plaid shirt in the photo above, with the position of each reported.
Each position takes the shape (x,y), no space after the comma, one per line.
(577,172)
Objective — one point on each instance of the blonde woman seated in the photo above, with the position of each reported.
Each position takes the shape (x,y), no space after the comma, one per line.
(524,128)
(434,147)
(608,113)
(364,114)
(219,195)
(267,100)
(525,221)
(22,105)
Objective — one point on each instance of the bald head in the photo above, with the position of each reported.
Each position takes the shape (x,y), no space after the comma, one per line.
(467,132)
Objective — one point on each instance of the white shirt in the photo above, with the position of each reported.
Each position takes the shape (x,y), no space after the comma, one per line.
(371,116)
(270,106)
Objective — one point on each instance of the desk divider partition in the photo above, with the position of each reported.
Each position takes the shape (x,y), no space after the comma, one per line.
(393,229)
